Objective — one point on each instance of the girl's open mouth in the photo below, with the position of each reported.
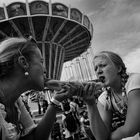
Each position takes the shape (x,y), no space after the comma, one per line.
(102,79)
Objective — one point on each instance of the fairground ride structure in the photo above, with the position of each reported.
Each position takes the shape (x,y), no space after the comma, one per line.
(62,33)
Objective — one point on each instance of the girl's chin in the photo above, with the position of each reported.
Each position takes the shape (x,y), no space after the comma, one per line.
(106,84)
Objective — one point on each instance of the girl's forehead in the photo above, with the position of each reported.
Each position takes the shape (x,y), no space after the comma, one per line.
(37,53)
(101,59)
(37,50)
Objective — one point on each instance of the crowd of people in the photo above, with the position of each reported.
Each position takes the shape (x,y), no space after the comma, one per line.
(73,123)
(114,115)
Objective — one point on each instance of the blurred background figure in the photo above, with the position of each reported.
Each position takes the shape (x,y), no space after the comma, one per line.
(70,120)
(25,100)
(56,131)
(44,105)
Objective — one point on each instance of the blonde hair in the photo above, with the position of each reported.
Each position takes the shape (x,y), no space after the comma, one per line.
(11,48)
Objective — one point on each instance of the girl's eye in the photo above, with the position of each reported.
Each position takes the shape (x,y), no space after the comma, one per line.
(103,65)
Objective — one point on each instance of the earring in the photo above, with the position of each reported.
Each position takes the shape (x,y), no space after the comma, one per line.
(26,73)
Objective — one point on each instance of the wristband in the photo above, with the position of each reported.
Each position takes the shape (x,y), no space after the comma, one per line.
(56,102)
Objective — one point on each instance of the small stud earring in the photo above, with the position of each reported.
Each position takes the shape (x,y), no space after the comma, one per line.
(26,73)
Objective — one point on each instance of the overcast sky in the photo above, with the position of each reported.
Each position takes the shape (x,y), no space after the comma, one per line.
(116,26)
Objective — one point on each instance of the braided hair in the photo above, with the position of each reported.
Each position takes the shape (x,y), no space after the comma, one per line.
(118,117)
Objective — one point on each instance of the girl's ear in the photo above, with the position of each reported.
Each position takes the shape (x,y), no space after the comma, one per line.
(119,69)
(23,62)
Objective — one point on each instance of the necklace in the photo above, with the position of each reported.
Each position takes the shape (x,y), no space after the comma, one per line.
(121,103)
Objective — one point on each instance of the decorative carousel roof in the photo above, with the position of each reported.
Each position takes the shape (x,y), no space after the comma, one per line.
(57,28)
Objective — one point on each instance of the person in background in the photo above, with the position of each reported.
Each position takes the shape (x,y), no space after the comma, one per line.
(45,105)
(21,69)
(70,120)
(66,109)
(84,118)
(25,101)
(56,133)
(115,115)
(74,107)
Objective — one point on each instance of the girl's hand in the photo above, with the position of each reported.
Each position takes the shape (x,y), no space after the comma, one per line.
(91,92)
(67,91)
(88,93)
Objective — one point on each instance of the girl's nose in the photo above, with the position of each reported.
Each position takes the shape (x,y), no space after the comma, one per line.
(99,71)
